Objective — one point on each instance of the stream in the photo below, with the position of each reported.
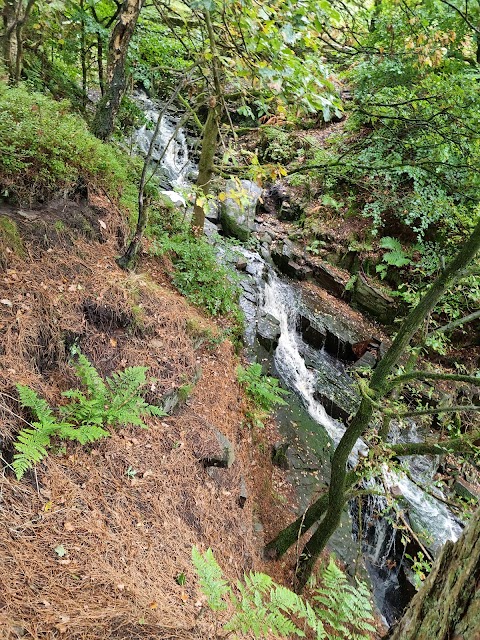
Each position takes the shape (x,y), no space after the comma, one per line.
(323,392)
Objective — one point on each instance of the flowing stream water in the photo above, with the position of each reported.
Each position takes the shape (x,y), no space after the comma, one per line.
(306,423)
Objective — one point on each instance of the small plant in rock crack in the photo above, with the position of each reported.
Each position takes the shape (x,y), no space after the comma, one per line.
(263,608)
(115,401)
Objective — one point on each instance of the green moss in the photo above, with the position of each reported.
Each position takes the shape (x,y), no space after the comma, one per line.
(10,237)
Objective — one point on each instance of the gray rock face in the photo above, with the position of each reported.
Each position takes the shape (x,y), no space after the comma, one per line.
(268,332)
(324,330)
(375,302)
(334,388)
(224,455)
(238,210)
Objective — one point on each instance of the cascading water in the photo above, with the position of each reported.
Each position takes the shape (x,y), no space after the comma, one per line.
(170,147)
(382,550)
(380,541)
(281,301)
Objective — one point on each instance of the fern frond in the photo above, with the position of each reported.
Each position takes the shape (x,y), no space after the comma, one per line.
(32,446)
(89,376)
(212,583)
(31,400)
(83,434)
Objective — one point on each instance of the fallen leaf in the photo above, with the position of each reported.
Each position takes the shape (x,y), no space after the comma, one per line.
(148,473)
(121,587)
(60,551)
(102,224)
(153,605)
(47,506)
(7,303)
(184,596)
(68,526)
(113,342)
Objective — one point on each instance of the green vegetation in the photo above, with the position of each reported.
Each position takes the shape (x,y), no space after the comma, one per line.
(45,150)
(113,402)
(199,275)
(10,237)
(265,391)
(262,607)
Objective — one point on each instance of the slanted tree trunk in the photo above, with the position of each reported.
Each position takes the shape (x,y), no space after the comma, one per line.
(15,14)
(210,135)
(205,165)
(109,105)
(378,388)
(447,607)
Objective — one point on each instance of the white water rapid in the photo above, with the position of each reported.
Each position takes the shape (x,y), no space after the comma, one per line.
(170,146)
(281,302)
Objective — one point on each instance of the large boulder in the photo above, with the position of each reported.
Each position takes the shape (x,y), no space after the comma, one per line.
(268,331)
(239,207)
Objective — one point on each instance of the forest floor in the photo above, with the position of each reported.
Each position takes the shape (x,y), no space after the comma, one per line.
(92,543)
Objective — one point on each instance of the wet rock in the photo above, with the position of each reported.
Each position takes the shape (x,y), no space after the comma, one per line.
(322,330)
(173,199)
(329,279)
(373,301)
(268,332)
(210,229)
(238,210)
(464,489)
(313,331)
(241,264)
(334,388)
(249,292)
(367,361)
(213,212)
(279,455)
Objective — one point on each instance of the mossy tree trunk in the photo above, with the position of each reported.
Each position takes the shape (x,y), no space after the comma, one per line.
(210,135)
(447,606)
(107,108)
(379,386)
(15,14)
(205,165)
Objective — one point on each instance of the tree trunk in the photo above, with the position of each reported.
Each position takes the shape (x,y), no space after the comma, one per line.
(210,134)
(109,105)
(205,165)
(378,388)
(447,607)
(15,13)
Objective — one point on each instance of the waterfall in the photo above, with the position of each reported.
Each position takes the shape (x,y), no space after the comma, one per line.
(170,146)
(281,301)
(265,293)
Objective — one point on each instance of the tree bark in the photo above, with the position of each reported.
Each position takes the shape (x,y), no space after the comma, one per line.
(107,109)
(210,135)
(447,607)
(15,14)
(205,165)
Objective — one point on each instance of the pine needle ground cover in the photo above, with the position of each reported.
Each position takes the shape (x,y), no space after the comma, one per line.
(92,542)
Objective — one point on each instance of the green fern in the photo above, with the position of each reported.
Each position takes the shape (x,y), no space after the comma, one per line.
(114,402)
(262,607)
(265,391)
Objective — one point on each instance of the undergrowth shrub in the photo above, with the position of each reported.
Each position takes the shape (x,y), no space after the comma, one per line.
(263,608)
(115,401)
(45,150)
(264,391)
(199,276)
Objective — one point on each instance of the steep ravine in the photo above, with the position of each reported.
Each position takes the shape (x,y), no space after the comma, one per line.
(308,344)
